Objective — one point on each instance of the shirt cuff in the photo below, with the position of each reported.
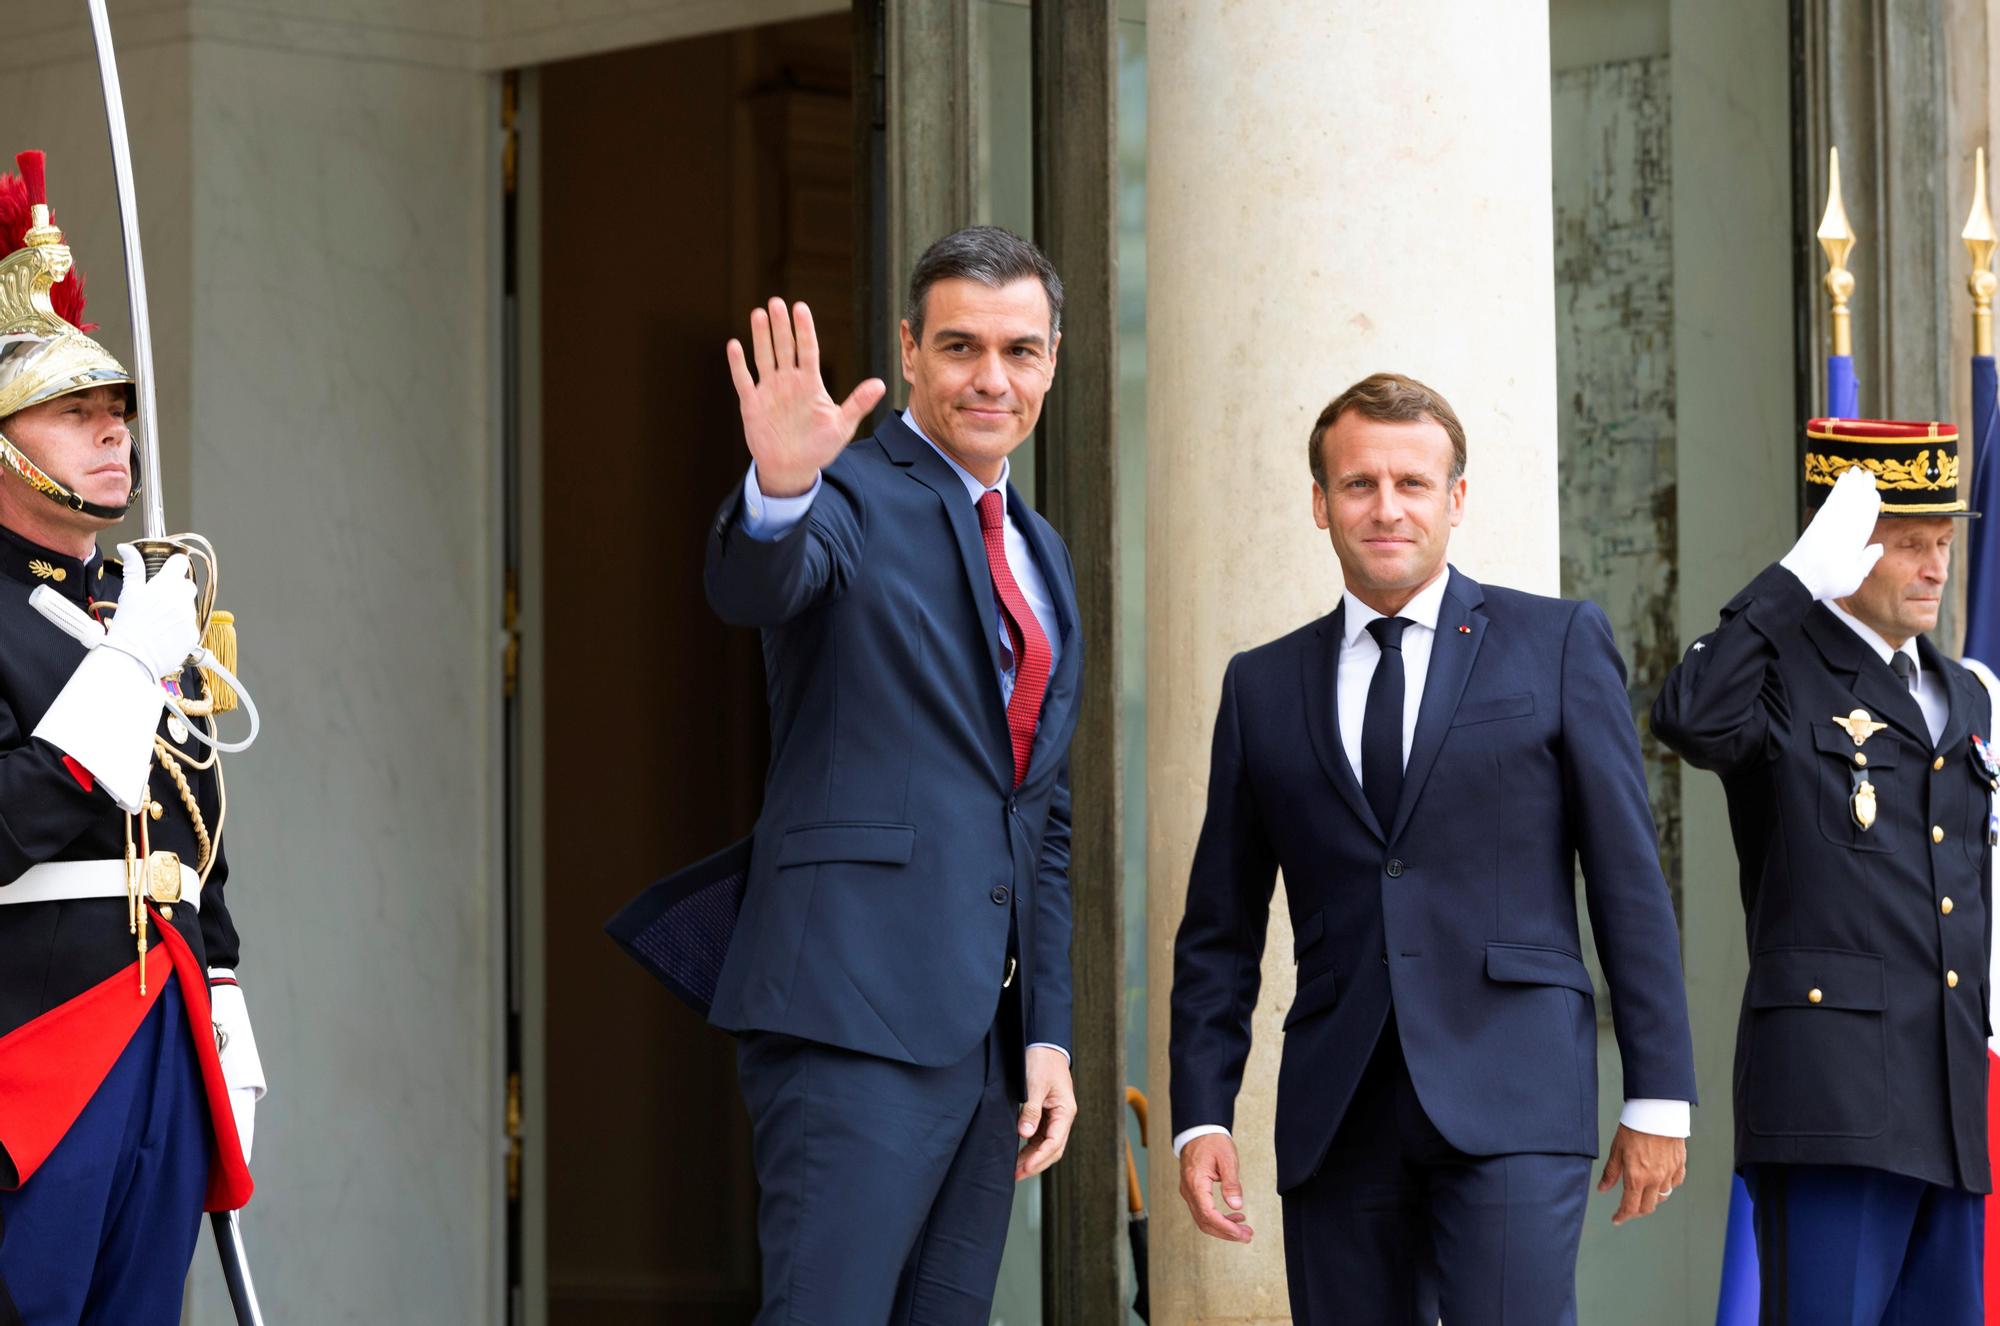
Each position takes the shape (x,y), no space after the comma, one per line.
(1186,1135)
(1050,1045)
(768,519)
(1661,1118)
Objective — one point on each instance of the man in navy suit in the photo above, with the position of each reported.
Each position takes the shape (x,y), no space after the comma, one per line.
(1427,764)
(899,976)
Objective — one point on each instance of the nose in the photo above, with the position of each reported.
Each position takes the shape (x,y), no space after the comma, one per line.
(990,379)
(1937,566)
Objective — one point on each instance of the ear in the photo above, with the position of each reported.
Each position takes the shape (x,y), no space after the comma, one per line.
(1055,344)
(909,352)
(1321,516)
(1457,500)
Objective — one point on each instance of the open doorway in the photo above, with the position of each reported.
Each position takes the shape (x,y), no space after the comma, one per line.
(675,186)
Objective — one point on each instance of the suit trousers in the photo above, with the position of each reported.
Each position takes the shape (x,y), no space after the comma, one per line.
(885,1188)
(1841,1245)
(1399,1227)
(103,1233)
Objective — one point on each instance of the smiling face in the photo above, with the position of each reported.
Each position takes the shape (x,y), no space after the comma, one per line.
(1901,595)
(1389,503)
(986,361)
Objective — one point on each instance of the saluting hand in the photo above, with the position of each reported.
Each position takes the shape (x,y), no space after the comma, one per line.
(793,428)
(1834,556)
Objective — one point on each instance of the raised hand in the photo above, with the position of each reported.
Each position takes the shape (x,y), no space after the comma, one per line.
(793,428)
(1834,556)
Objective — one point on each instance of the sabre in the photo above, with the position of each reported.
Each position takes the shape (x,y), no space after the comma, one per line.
(157,545)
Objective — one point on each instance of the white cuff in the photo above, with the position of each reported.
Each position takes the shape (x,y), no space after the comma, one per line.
(242,1070)
(1661,1118)
(1186,1135)
(1051,1045)
(104,719)
(768,519)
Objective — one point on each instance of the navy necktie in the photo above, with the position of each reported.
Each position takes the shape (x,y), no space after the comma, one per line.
(1382,724)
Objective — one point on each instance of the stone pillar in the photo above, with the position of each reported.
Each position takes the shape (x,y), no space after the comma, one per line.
(1333,190)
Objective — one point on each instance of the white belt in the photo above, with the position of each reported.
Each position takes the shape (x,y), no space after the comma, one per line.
(61,881)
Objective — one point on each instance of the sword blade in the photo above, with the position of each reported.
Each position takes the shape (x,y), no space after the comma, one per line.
(236,1267)
(148,422)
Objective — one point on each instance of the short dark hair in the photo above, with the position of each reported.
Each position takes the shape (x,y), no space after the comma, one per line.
(1387,398)
(989,255)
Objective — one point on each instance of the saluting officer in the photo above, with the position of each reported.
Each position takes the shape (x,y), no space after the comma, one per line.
(127,1064)
(1856,762)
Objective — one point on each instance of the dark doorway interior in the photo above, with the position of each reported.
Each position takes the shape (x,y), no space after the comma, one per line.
(682,184)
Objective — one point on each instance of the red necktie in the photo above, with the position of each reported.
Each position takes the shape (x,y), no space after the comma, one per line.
(1031,646)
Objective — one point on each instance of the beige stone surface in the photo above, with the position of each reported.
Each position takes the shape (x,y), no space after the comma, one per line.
(1332,190)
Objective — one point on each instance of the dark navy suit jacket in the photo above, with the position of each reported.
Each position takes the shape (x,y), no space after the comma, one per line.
(893,853)
(1462,913)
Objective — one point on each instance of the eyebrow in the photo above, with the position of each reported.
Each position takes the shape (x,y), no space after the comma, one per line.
(956,334)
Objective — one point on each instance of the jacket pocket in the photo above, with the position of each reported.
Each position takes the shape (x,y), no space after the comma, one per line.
(1535,964)
(1814,1055)
(1486,711)
(1837,775)
(1309,932)
(848,840)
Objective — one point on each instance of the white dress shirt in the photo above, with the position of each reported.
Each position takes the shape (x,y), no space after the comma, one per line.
(1928,689)
(1358,655)
(768,519)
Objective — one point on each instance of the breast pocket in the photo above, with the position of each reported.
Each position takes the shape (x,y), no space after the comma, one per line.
(1841,765)
(1493,710)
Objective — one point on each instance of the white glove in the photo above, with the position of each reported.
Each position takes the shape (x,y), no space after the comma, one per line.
(236,1046)
(1833,556)
(155,621)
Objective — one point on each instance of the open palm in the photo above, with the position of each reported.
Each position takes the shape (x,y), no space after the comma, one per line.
(793,428)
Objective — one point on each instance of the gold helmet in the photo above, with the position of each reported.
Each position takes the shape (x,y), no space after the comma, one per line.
(44,349)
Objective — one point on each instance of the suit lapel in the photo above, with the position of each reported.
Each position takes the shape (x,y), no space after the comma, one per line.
(1879,689)
(1320,676)
(924,465)
(1452,653)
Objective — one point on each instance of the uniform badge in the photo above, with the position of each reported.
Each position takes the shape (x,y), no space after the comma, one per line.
(177,729)
(1858,724)
(1984,763)
(1862,803)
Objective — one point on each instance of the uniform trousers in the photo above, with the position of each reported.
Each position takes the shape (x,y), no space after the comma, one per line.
(103,1233)
(1842,1245)
(1399,1227)
(884,1188)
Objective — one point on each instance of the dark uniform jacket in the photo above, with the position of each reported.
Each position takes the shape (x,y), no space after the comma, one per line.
(51,952)
(1864,1022)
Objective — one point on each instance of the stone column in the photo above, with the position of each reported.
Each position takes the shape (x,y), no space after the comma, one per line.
(1333,190)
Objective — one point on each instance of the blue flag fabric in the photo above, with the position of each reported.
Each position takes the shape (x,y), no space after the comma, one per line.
(1843,393)
(1982,594)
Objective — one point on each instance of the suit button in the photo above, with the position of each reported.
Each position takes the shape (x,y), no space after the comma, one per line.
(1937,764)
(1944,905)
(1860,760)
(1951,979)
(1937,833)
(1395,867)
(999,894)
(1385,959)
(1813,996)
(1013,804)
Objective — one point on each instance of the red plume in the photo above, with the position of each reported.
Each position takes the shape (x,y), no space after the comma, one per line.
(34,169)
(19,193)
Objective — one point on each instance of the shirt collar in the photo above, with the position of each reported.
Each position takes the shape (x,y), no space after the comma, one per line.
(1873,638)
(1420,611)
(973,488)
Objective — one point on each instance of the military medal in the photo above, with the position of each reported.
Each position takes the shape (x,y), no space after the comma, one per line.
(1862,803)
(177,729)
(1985,764)
(1860,725)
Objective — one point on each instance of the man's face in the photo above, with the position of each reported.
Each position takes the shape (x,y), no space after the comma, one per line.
(80,440)
(977,381)
(1900,597)
(1390,502)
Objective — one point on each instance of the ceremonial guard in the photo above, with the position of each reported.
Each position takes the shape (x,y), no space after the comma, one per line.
(1858,769)
(127,1065)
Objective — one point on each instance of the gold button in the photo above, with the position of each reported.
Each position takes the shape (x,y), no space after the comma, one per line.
(1859,758)
(1951,979)
(1813,996)
(1944,905)
(1938,763)
(1937,833)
